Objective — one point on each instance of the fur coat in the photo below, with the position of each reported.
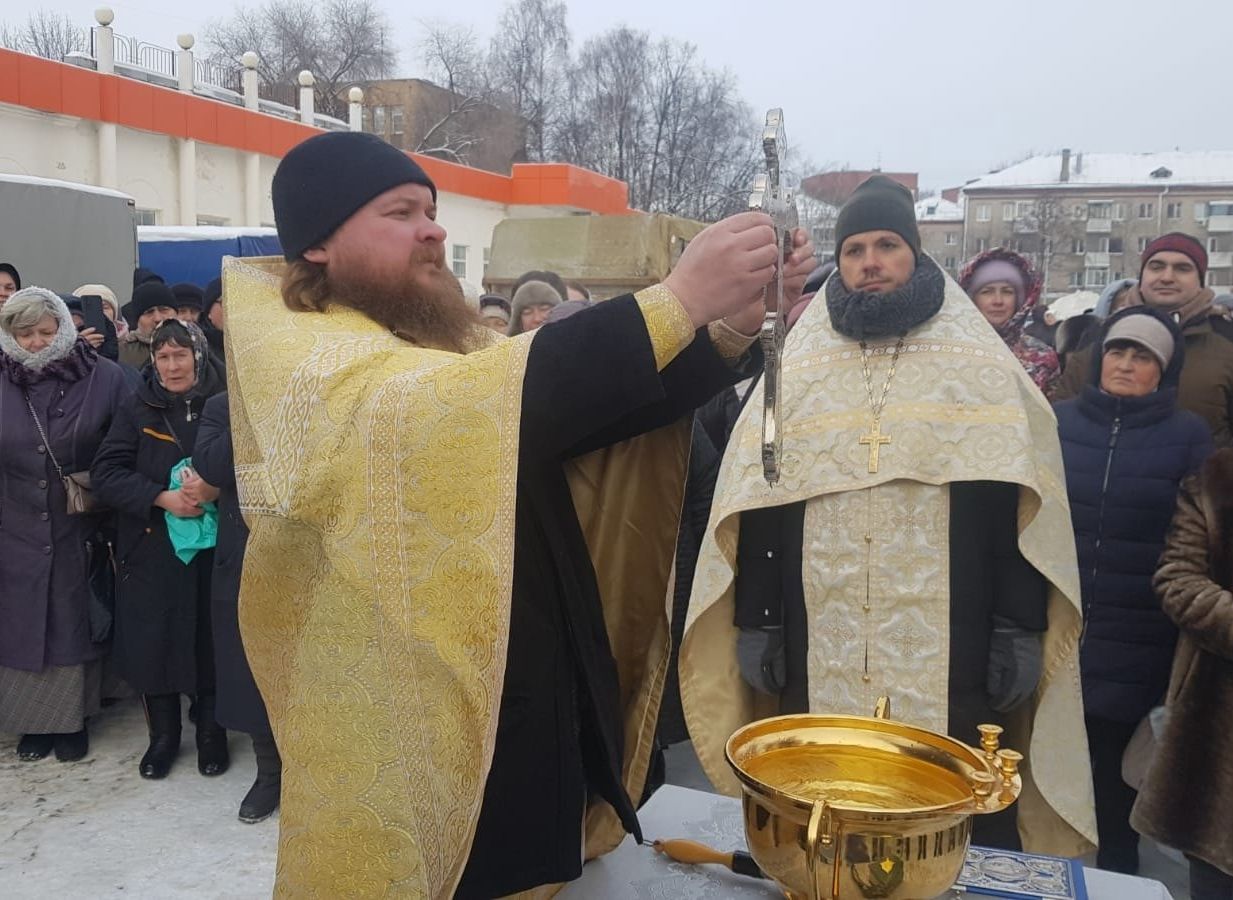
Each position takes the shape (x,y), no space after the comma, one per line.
(1187,796)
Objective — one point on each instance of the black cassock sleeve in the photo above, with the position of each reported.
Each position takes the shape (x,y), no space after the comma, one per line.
(114,477)
(591,381)
(212,453)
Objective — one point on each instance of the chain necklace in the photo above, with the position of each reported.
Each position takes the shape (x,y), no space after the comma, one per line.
(875,438)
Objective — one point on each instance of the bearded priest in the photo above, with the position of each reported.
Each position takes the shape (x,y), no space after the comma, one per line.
(454,592)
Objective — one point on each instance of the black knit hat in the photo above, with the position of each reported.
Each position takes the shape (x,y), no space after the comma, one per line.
(188,294)
(149,295)
(212,294)
(879,204)
(141,275)
(322,182)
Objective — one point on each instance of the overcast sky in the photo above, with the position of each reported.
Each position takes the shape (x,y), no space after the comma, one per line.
(946,88)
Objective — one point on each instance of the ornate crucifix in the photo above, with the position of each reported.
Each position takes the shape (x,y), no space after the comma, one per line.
(874,440)
(770,197)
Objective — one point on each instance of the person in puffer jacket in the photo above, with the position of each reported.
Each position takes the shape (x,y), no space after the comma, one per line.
(1126,446)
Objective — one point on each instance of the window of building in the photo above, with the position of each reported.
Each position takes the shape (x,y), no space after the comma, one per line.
(145,216)
(1097,277)
(396,125)
(378,119)
(1219,209)
(1147,210)
(983,212)
(1077,246)
(216,221)
(1174,210)
(1218,278)
(1143,244)
(1100,210)
(952,238)
(950,262)
(1212,244)
(1200,212)
(1079,211)
(1102,245)
(460,260)
(1115,244)
(1076,279)
(1008,212)
(1119,212)
(981,245)
(1023,209)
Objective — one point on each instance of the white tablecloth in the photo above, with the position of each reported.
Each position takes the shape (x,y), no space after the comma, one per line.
(631,871)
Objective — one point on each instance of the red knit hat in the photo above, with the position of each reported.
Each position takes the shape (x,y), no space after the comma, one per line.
(1178,243)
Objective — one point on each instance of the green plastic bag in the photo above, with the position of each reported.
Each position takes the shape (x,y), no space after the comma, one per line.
(195,533)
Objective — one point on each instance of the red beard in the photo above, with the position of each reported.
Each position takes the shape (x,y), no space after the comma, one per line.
(426,307)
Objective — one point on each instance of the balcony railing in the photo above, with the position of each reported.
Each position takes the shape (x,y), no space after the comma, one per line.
(1096,260)
(1221,260)
(1220,224)
(1099,226)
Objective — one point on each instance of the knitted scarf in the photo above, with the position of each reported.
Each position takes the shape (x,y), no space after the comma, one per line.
(861,315)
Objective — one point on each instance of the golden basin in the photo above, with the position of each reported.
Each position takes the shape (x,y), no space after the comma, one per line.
(854,807)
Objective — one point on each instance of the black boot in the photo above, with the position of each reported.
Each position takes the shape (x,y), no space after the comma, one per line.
(72,747)
(262,798)
(163,718)
(212,755)
(35,746)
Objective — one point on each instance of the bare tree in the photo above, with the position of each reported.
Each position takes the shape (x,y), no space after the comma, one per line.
(451,58)
(1045,233)
(650,114)
(45,34)
(527,62)
(342,42)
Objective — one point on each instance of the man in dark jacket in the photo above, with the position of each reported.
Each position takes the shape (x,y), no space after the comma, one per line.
(240,706)
(1172,281)
(1126,447)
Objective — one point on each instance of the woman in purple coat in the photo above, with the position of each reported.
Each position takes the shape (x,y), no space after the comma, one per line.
(57,398)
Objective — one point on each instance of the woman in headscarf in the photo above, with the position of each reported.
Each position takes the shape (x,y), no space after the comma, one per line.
(163,641)
(111,306)
(57,400)
(1006,288)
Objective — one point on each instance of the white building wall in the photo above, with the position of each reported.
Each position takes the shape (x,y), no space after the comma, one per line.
(63,147)
(468,223)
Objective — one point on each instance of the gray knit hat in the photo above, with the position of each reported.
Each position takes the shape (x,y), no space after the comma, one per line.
(1147,332)
(879,204)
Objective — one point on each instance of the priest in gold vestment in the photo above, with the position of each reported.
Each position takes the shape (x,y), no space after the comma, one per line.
(453,598)
(919,542)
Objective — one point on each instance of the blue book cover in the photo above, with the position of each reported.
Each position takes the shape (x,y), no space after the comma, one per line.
(1025,876)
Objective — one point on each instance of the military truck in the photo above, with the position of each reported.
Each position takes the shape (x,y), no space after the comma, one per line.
(611,255)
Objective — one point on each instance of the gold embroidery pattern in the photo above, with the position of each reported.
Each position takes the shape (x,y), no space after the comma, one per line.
(973,415)
(729,343)
(667,323)
(357,453)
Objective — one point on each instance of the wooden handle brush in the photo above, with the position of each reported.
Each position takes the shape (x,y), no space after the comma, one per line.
(693,853)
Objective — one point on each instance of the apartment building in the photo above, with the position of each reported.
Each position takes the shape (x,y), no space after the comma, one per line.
(940,222)
(1084,219)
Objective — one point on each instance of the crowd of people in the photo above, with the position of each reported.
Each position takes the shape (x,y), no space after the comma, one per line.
(1001,542)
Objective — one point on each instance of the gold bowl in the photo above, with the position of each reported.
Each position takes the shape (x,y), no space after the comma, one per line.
(855,807)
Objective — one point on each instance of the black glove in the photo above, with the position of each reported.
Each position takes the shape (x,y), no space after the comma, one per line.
(760,655)
(1016,660)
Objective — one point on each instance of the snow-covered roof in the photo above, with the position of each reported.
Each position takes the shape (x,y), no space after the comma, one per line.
(67,185)
(199,232)
(1207,167)
(937,209)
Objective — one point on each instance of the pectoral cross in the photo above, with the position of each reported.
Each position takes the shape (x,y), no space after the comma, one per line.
(874,440)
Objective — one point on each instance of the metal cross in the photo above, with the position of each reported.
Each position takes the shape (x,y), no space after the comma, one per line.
(874,439)
(769,196)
